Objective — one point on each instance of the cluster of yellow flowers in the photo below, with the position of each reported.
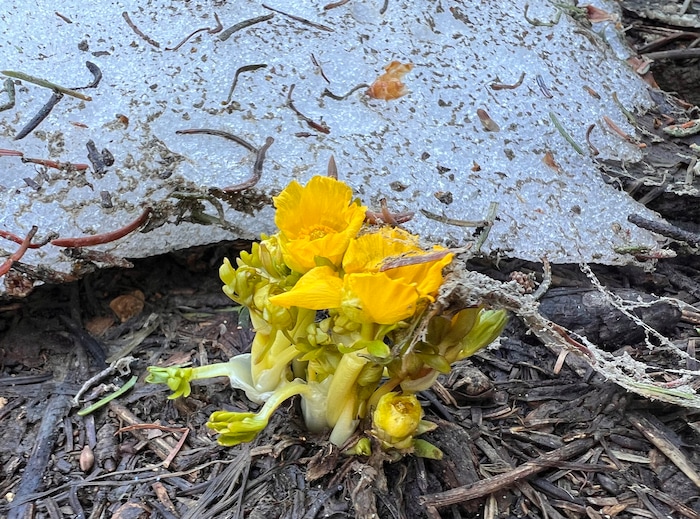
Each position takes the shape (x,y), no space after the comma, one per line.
(341,312)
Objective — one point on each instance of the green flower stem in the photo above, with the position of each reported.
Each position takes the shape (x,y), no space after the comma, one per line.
(368,331)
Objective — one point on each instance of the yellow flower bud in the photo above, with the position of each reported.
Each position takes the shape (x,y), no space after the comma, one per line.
(396,418)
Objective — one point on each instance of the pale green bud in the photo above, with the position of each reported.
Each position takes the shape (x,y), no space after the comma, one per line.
(487,328)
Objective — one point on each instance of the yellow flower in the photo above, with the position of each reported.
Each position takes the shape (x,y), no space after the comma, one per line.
(365,294)
(387,275)
(316,221)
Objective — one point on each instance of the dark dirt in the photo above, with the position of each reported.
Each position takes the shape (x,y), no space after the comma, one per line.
(523,436)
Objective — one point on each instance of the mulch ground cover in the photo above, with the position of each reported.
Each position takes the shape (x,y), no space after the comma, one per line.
(522,436)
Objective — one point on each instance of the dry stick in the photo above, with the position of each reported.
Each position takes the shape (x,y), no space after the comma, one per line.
(669,500)
(320,68)
(33,475)
(242,25)
(300,19)
(5,267)
(219,133)
(96,76)
(45,84)
(212,30)
(42,114)
(502,86)
(321,127)
(184,430)
(244,68)
(665,229)
(138,31)
(593,149)
(495,483)
(673,54)
(335,4)
(68,166)
(523,486)
(98,239)
(161,446)
(673,453)
(328,93)
(257,170)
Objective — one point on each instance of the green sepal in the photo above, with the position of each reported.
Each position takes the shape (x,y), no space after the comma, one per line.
(425,449)
(362,447)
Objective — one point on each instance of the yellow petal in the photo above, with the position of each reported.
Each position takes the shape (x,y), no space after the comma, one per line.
(426,274)
(317,220)
(376,298)
(368,252)
(318,289)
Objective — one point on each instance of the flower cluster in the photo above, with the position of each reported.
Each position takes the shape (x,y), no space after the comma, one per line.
(342,316)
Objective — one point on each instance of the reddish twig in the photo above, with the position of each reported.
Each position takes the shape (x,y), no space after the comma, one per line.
(386,217)
(257,170)
(5,267)
(56,165)
(503,86)
(594,150)
(10,153)
(107,237)
(320,69)
(138,31)
(619,131)
(212,30)
(18,239)
(321,127)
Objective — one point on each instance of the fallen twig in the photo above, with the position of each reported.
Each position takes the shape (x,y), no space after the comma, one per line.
(5,267)
(46,84)
(494,483)
(321,127)
(138,31)
(98,239)
(257,169)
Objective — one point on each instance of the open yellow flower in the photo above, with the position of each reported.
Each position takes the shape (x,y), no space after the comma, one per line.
(316,221)
(366,294)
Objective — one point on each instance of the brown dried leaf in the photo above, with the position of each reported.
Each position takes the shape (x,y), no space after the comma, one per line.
(129,305)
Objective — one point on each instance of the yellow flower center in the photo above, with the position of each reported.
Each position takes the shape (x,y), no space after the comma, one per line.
(319,232)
